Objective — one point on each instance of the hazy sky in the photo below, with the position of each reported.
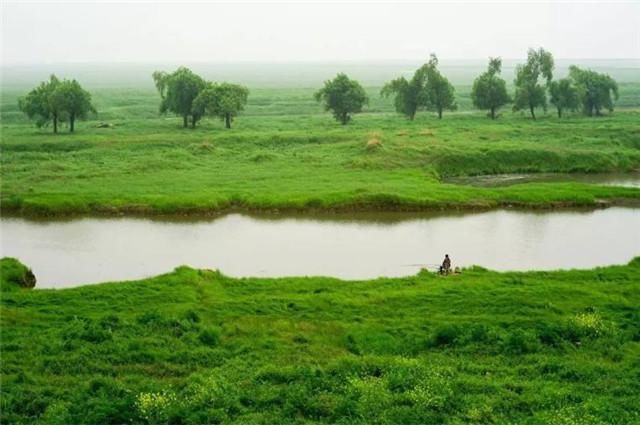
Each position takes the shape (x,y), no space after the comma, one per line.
(47,32)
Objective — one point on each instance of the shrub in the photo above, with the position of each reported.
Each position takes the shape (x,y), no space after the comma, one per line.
(589,324)
(155,407)
(520,342)
(446,335)
(210,336)
(191,316)
(86,330)
(13,272)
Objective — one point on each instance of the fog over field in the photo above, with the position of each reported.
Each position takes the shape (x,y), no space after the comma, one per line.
(284,32)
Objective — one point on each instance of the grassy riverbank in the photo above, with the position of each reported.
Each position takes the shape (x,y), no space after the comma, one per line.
(278,161)
(194,346)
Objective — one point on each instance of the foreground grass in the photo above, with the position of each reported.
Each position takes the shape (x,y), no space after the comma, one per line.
(151,165)
(194,346)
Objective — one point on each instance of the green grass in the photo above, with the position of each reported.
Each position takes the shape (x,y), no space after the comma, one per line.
(194,346)
(285,153)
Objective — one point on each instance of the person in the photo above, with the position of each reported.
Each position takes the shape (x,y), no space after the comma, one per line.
(445,268)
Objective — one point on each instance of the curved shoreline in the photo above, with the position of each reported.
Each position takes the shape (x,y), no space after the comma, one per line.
(368,206)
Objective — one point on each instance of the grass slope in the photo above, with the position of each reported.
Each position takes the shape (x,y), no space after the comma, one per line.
(194,347)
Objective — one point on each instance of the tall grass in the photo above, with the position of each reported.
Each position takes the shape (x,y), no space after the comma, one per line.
(194,346)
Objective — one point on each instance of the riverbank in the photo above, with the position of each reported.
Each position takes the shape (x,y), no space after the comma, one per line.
(194,346)
(354,246)
(266,163)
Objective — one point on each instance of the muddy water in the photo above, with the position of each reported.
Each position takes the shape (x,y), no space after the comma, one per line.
(498,180)
(91,250)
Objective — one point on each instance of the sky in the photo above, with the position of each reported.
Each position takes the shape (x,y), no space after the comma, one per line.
(82,32)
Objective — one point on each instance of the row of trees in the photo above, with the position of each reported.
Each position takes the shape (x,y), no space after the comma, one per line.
(583,88)
(430,90)
(57,101)
(427,89)
(188,95)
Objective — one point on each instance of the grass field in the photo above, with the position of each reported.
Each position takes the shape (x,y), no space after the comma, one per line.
(194,347)
(285,153)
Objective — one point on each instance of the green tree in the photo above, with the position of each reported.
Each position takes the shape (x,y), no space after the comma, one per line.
(409,94)
(37,104)
(343,97)
(223,100)
(564,95)
(596,91)
(489,91)
(439,94)
(530,94)
(178,90)
(70,98)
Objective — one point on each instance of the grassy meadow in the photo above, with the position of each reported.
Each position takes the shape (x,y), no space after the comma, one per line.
(196,347)
(284,152)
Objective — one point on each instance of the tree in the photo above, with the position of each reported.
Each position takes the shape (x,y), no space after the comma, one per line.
(70,98)
(409,95)
(530,94)
(37,104)
(343,96)
(224,100)
(178,90)
(564,95)
(596,91)
(489,91)
(439,94)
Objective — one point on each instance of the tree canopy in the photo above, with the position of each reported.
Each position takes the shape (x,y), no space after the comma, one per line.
(409,95)
(70,97)
(489,91)
(343,97)
(37,104)
(223,100)
(439,94)
(530,93)
(596,91)
(564,95)
(55,101)
(178,90)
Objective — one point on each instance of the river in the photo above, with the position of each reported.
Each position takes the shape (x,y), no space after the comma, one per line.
(362,246)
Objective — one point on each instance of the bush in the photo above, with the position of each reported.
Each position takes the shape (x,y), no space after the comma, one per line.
(86,330)
(446,335)
(210,337)
(13,272)
(520,342)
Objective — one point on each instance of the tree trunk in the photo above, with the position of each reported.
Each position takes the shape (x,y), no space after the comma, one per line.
(493,113)
(439,113)
(533,113)
(72,120)
(193,121)
(227,120)
(185,121)
(55,123)
(344,119)
(559,112)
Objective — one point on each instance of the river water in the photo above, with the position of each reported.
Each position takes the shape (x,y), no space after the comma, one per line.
(362,246)
(499,180)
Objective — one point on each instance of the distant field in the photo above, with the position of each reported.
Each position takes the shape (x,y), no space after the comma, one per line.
(286,152)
